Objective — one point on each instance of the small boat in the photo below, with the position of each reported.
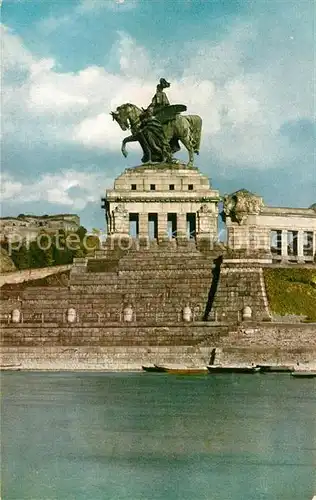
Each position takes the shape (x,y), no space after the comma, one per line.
(232,369)
(304,374)
(184,370)
(153,368)
(276,368)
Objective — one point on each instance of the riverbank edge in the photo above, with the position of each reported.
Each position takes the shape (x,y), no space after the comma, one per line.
(124,358)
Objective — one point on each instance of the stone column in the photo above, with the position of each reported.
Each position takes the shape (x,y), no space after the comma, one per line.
(121,220)
(143,230)
(300,246)
(206,226)
(143,225)
(162,226)
(266,244)
(182,225)
(230,234)
(284,252)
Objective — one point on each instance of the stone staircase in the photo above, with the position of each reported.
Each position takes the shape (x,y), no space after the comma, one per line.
(157,282)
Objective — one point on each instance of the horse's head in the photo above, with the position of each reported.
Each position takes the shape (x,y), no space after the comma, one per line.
(121,116)
(126,115)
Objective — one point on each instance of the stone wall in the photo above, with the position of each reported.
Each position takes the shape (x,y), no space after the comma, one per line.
(157,284)
(241,285)
(100,358)
(266,355)
(272,335)
(93,347)
(31,274)
(94,334)
(275,343)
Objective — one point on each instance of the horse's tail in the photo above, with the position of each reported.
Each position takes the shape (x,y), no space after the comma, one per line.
(195,123)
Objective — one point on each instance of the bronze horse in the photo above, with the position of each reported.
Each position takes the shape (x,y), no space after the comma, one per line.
(159,136)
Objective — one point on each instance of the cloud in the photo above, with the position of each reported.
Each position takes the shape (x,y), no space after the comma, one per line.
(245,87)
(134,61)
(9,187)
(53,23)
(93,132)
(68,188)
(14,55)
(92,6)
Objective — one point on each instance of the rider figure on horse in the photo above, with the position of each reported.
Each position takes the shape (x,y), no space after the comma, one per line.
(160,127)
(157,116)
(151,130)
(160,99)
(160,106)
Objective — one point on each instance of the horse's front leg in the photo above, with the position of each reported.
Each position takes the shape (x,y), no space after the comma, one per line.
(191,157)
(130,138)
(187,143)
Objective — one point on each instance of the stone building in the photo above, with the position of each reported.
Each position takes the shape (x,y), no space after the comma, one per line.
(29,226)
(285,234)
(162,204)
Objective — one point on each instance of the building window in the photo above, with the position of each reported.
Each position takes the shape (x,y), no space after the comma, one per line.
(190,187)
(152,187)
(191,226)
(171,187)
(133,187)
(153,226)
(276,242)
(134,225)
(292,246)
(172,226)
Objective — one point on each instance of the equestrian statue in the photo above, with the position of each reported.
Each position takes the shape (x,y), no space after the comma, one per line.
(160,128)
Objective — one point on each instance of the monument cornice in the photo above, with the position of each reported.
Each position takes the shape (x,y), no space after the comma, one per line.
(159,199)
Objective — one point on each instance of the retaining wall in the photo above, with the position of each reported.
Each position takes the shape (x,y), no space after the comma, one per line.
(31,274)
(100,358)
(93,347)
(158,284)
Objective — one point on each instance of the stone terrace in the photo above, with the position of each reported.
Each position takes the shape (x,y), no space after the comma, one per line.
(158,284)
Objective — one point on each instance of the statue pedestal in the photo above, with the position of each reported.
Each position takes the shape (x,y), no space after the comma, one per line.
(163,201)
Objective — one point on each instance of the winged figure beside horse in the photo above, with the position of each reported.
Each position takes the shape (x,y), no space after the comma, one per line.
(160,128)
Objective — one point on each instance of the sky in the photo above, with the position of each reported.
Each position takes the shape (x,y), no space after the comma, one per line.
(247,67)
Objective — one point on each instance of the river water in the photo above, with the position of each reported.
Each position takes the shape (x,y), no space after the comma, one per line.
(143,436)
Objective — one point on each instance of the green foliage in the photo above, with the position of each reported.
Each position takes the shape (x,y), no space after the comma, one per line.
(292,291)
(53,250)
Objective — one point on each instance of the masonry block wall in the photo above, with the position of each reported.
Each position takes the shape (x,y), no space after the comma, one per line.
(157,284)
(241,285)
(269,343)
